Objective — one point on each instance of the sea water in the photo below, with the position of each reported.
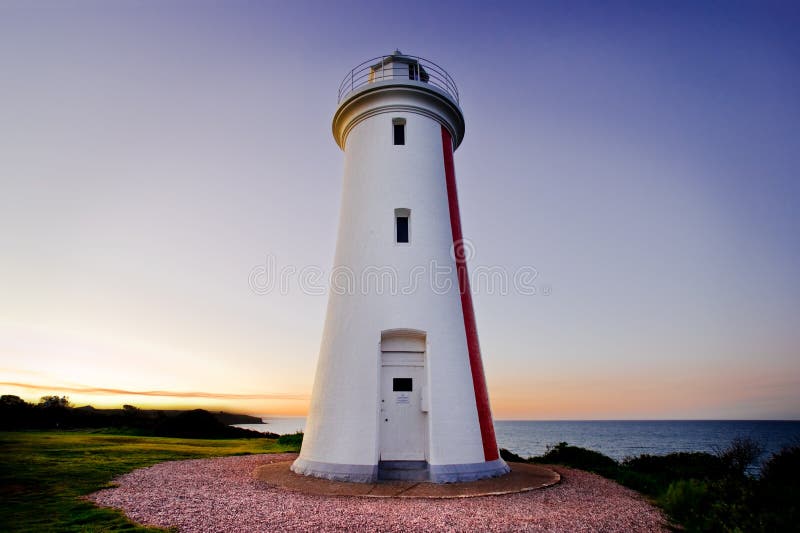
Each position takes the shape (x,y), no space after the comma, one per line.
(281,425)
(628,438)
(617,439)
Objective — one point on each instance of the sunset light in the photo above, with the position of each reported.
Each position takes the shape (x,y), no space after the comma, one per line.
(170,201)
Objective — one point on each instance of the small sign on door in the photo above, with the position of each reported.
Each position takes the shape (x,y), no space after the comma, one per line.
(402,399)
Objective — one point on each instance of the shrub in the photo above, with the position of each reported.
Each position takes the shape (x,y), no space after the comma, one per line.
(778,489)
(680,465)
(291,439)
(511,457)
(740,454)
(650,484)
(688,501)
(563,453)
(783,468)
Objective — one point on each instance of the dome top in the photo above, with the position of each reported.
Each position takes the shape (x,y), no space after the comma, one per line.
(398,68)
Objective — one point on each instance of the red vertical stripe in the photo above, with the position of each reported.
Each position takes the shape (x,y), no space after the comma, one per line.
(490,452)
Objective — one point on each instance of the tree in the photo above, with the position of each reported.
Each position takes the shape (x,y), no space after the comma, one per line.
(14,412)
(54,402)
(740,454)
(131,413)
(11,401)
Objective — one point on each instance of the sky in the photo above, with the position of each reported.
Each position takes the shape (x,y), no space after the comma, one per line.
(641,156)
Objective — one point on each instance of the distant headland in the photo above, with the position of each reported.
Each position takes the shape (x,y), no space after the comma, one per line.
(56,412)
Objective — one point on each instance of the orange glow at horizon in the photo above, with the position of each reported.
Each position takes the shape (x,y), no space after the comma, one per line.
(92,369)
(576,400)
(281,404)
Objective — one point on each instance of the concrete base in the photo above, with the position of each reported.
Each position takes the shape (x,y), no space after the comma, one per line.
(336,471)
(523,477)
(372,473)
(468,472)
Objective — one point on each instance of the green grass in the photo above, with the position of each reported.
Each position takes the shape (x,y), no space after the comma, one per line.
(43,474)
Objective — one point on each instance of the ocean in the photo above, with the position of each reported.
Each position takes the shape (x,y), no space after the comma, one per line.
(617,439)
(621,439)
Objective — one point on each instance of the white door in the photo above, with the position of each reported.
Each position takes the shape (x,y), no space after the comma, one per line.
(403,424)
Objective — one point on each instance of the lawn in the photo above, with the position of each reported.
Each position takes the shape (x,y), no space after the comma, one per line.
(44,473)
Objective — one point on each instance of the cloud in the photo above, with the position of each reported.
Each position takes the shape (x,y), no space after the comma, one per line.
(160,393)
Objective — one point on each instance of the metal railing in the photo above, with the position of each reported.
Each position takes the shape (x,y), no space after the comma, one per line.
(397,67)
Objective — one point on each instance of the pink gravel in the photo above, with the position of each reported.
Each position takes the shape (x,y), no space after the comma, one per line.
(221,495)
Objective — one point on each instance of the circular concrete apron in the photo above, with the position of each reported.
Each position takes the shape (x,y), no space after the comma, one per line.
(522,478)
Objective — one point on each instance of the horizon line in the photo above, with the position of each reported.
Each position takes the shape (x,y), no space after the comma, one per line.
(157,393)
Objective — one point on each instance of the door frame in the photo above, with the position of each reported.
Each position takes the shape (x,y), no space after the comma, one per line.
(403,340)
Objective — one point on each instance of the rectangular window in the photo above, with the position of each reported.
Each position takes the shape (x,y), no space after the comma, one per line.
(401,384)
(402,229)
(399,132)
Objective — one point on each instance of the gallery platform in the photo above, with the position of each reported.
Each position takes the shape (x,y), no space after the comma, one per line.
(522,478)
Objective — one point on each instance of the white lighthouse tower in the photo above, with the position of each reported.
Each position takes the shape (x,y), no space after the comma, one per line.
(400,391)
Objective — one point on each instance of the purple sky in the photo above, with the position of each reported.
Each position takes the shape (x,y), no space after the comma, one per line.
(641,156)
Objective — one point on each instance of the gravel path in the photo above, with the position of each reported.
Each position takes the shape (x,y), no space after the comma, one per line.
(221,495)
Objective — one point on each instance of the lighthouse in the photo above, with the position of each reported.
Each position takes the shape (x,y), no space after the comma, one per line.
(399,391)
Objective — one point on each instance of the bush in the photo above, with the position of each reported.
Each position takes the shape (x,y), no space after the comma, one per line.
(779,487)
(291,439)
(688,501)
(783,468)
(511,457)
(675,466)
(702,491)
(649,484)
(564,454)
(740,454)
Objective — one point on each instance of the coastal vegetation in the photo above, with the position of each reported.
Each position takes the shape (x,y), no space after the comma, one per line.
(44,474)
(702,491)
(54,412)
(52,454)
(292,439)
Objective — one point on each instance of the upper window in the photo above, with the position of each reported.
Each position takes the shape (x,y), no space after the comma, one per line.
(399,131)
(402,229)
